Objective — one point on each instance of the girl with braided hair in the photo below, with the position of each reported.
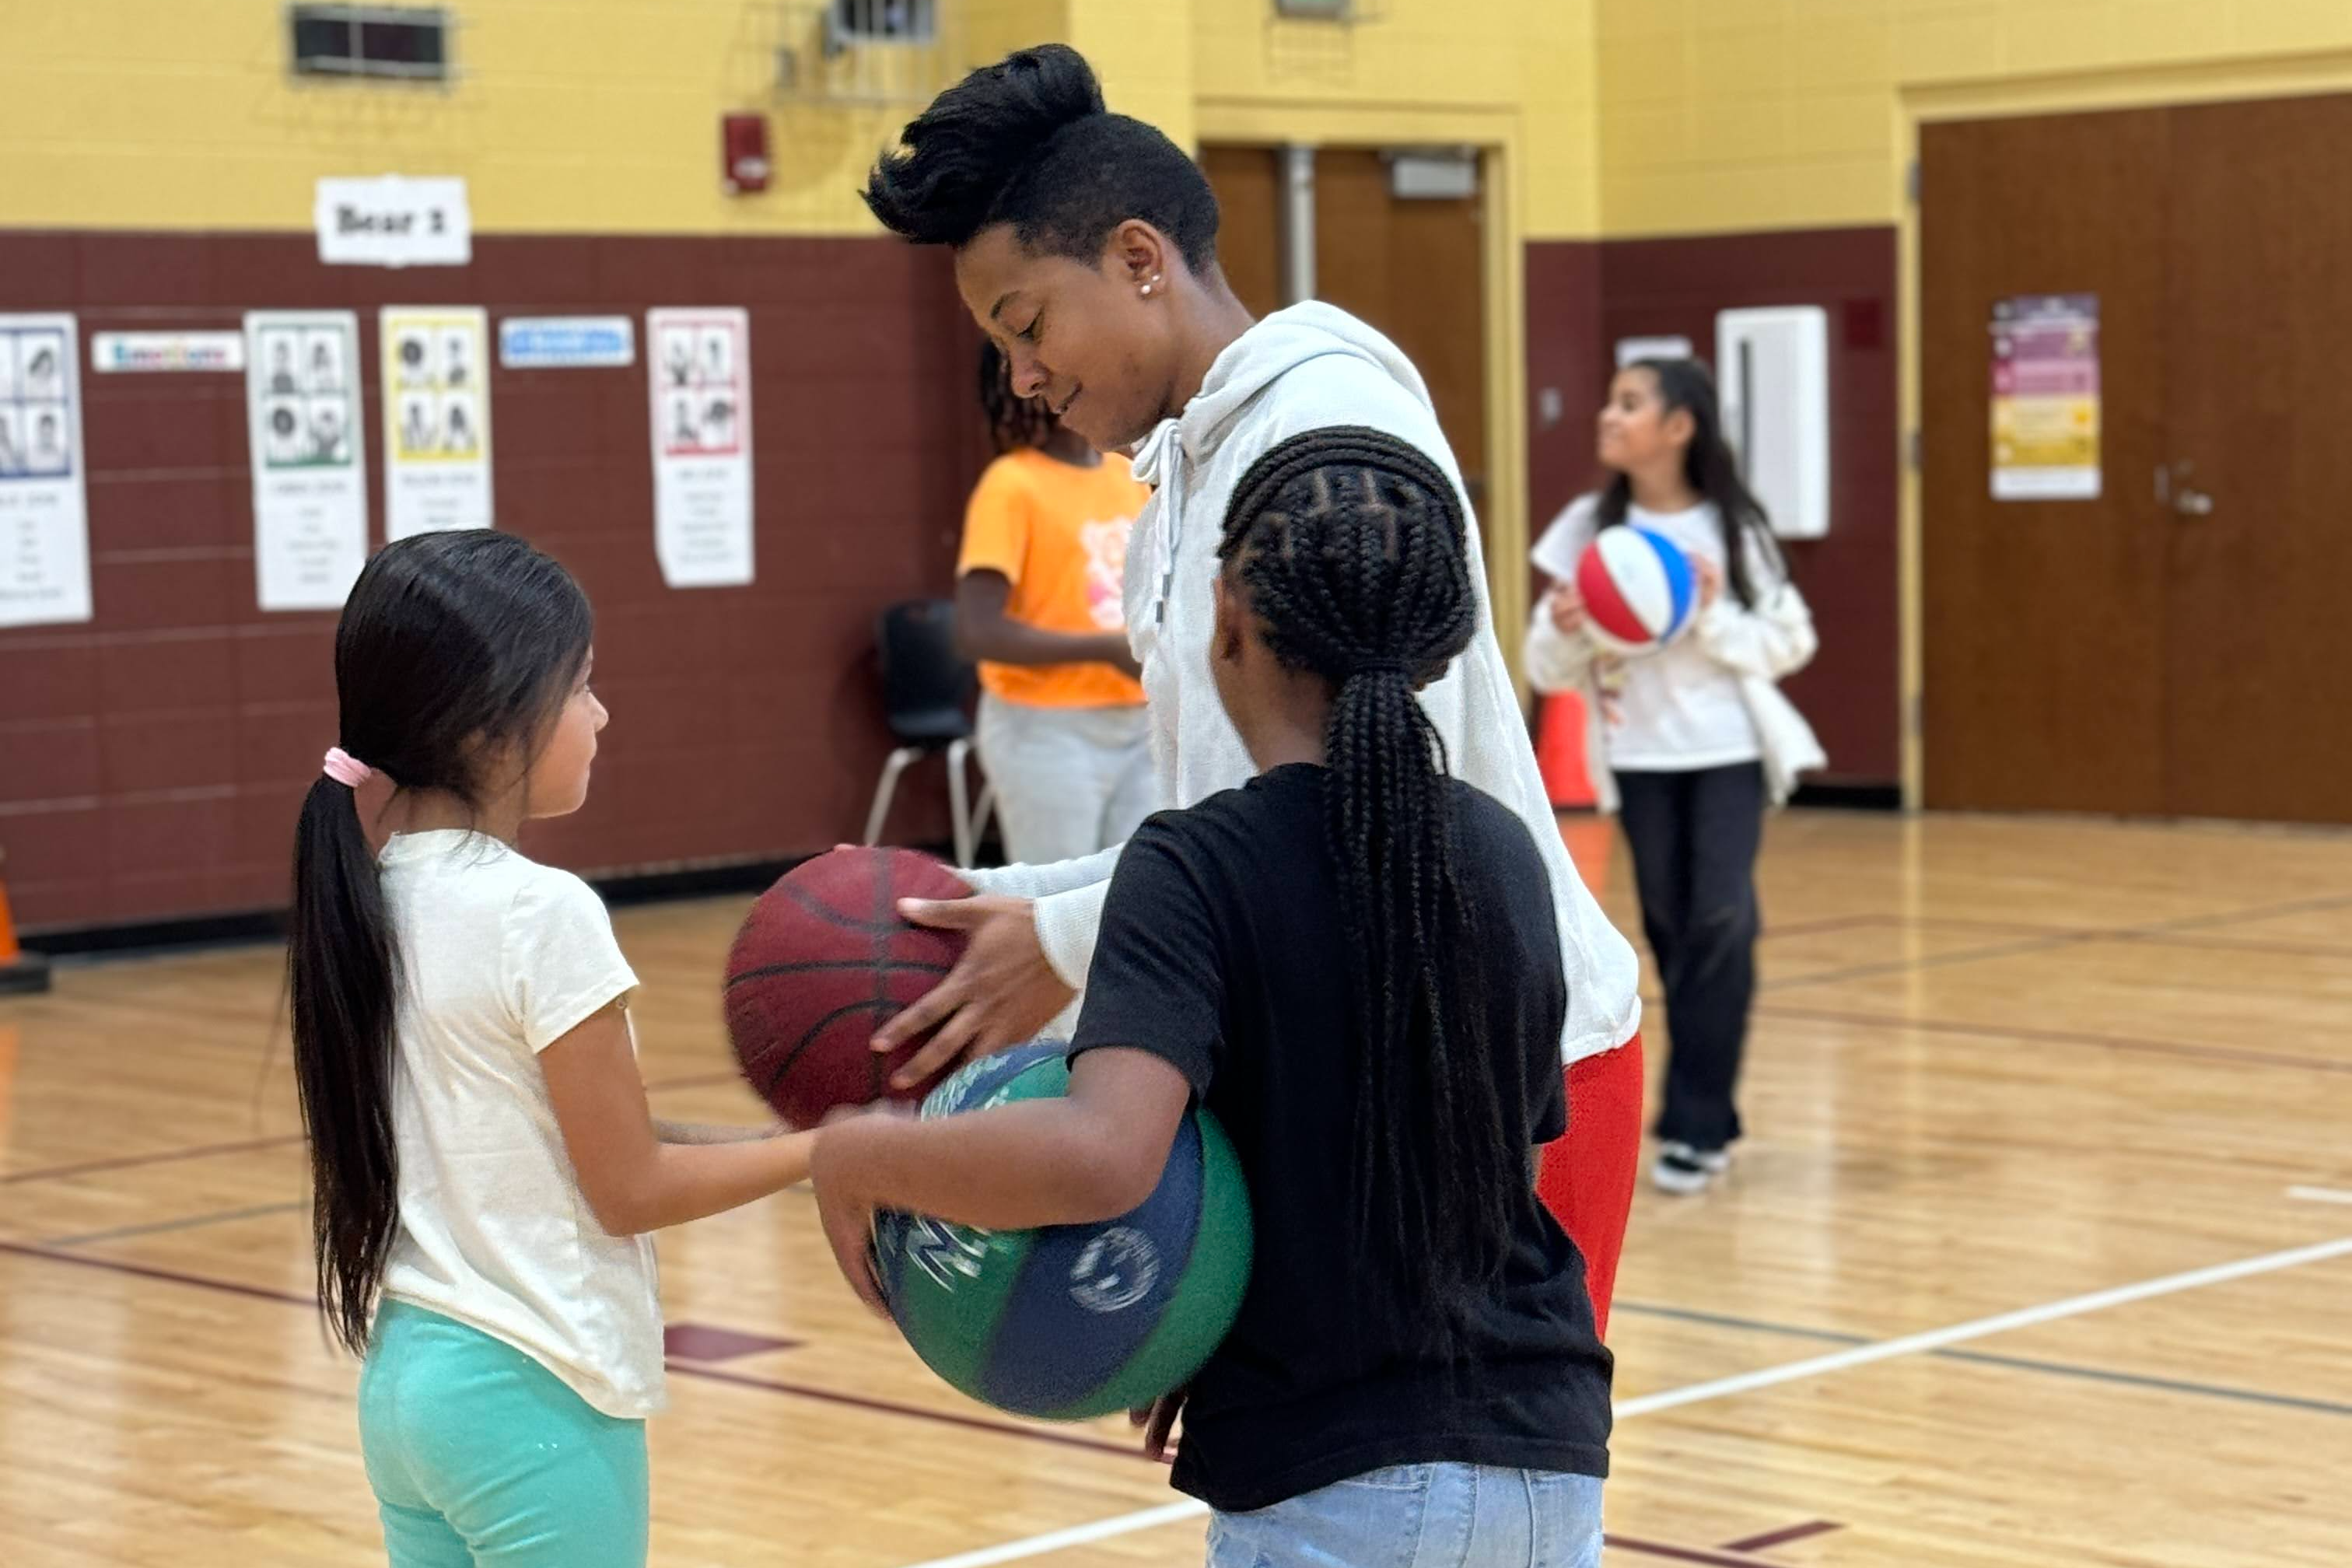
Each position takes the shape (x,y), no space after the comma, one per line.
(1038,604)
(1351,960)
(1085,244)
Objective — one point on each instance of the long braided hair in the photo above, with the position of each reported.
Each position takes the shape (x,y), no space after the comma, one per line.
(1350,547)
(1015,423)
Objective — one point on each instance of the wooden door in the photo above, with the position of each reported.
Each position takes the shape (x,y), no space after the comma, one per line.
(2043,620)
(1414,269)
(2259,545)
(1248,184)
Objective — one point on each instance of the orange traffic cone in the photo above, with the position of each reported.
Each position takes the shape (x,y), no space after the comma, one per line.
(1568,780)
(1560,751)
(20,970)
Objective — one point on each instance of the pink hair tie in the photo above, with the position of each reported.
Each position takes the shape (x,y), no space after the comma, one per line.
(346,769)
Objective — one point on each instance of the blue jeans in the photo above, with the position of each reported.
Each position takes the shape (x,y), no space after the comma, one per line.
(1422,1516)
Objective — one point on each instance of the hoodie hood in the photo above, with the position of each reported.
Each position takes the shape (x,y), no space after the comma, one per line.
(1254,360)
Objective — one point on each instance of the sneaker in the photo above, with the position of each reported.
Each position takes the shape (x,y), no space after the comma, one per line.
(1683,1171)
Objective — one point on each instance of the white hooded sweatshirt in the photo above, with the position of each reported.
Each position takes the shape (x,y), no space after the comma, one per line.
(1309,367)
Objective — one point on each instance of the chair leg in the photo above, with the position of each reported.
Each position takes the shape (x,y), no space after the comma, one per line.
(959,800)
(981,814)
(887,790)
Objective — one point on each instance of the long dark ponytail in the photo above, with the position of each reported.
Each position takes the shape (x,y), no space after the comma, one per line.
(1711,470)
(1350,548)
(454,652)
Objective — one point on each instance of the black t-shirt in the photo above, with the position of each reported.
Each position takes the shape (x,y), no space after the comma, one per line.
(1223,951)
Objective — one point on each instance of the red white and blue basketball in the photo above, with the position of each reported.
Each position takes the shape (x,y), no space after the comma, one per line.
(1073,1321)
(1637,587)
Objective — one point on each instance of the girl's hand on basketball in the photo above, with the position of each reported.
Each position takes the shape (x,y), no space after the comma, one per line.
(1157,1421)
(1000,993)
(1710,579)
(1566,606)
(848,1220)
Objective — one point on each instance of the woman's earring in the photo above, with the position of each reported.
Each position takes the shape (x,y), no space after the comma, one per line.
(1147,287)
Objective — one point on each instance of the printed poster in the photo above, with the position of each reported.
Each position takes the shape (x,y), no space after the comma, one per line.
(309,466)
(2045,398)
(699,364)
(436,418)
(44,511)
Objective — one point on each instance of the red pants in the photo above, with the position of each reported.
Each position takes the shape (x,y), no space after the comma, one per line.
(1587,1178)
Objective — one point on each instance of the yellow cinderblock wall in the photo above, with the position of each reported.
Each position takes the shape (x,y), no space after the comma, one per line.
(601,116)
(1724,115)
(1626,117)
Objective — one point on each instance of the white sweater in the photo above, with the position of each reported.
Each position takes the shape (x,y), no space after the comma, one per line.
(1756,647)
(1309,367)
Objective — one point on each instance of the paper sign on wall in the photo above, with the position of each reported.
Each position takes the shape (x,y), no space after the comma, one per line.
(44,512)
(699,364)
(436,418)
(114,352)
(565,343)
(394,222)
(2045,398)
(1632,349)
(309,466)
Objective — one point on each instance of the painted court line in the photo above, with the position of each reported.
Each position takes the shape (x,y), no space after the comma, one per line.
(2320,1194)
(158,1157)
(1745,1382)
(1625,1308)
(2021,1033)
(1979,1328)
(186,1221)
(1770,1539)
(686,1369)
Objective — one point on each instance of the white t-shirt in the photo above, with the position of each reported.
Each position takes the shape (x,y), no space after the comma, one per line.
(1679,710)
(501,958)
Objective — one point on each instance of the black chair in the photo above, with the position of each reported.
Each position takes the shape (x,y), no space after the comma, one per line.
(927,695)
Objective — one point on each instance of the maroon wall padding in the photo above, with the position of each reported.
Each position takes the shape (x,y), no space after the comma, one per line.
(151,761)
(1566,356)
(1674,287)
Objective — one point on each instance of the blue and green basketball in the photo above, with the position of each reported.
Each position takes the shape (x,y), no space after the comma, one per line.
(1073,1321)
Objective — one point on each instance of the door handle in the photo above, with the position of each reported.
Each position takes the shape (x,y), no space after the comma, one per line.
(2173,489)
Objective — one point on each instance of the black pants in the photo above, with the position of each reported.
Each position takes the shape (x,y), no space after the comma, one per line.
(1694,836)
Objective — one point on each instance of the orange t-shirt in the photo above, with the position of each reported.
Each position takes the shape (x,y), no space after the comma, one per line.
(1058,534)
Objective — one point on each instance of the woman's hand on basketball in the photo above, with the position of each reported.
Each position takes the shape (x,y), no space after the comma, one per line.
(1566,606)
(1000,993)
(847,1215)
(1158,1422)
(1710,579)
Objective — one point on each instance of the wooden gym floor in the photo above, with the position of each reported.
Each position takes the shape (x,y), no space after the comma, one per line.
(2040,1252)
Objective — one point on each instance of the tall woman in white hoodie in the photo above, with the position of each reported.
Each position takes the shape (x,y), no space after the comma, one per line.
(1693,737)
(1085,244)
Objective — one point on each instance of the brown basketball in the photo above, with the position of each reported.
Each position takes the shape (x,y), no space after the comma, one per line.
(821,962)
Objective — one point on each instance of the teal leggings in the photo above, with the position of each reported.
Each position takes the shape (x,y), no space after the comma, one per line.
(480,1457)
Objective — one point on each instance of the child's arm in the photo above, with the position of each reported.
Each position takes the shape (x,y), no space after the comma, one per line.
(1090,1157)
(1556,660)
(634,1182)
(713,1133)
(984,631)
(1774,639)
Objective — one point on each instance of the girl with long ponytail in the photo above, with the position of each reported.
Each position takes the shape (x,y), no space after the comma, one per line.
(1352,961)
(483,1169)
